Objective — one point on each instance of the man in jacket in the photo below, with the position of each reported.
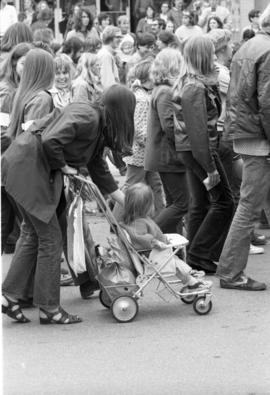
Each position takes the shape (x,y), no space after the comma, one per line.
(248,121)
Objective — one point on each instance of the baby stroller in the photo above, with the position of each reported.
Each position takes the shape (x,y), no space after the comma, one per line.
(122,297)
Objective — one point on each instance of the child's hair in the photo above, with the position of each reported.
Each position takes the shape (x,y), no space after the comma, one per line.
(141,72)
(85,68)
(139,202)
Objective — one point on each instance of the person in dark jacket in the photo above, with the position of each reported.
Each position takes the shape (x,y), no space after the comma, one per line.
(198,107)
(160,154)
(73,139)
(248,121)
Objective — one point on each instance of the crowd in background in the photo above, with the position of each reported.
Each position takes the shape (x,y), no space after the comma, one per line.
(171,80)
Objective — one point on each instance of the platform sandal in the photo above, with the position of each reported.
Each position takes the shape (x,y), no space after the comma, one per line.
(58,317)
(13,310)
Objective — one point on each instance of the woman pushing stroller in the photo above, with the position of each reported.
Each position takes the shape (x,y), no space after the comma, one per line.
(32,169)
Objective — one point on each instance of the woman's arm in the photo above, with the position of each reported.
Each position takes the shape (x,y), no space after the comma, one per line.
(195,118)
(140,122)
(164,106)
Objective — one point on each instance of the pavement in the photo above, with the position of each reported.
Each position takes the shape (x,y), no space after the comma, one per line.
(167,349)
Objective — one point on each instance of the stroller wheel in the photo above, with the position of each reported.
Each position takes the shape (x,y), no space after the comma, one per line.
(124,308)
(188,299)
(202,307)
(104,299)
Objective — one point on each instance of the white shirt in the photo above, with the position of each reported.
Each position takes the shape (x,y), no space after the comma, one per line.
(108,69)
(8,16)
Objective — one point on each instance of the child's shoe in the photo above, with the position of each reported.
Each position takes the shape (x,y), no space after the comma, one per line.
(197,273)
(197,287)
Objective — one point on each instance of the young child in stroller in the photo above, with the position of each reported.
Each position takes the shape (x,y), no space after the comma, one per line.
(145,234)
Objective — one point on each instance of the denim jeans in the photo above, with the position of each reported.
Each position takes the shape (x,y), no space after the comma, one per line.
(37,255)
(253,197)
(210,212)
(177,199)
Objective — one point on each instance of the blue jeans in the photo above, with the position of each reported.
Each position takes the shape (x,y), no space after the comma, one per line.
(253,197)
(210,212)
(37,255)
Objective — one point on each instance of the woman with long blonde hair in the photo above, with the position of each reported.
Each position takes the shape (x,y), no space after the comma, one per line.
(160,154)
(197,107)
(86,85)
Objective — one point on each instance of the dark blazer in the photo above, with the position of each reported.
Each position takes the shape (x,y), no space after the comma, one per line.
(160,153)
(30,166)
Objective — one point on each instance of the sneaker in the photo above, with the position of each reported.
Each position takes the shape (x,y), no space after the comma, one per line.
(243,284)
(253,250)
(197,273)
(257,239)
(197,287)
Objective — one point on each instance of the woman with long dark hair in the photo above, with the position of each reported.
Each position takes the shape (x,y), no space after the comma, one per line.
(197,109)
(74,138)
(83,26)
(32,100)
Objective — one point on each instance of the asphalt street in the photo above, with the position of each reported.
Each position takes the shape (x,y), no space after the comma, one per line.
(167,349)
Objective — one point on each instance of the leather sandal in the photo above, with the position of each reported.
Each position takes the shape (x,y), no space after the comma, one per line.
(58,317)
(13,310)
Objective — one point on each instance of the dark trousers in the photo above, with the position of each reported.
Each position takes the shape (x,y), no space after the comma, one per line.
(210,212)
(177,198)
(37,256)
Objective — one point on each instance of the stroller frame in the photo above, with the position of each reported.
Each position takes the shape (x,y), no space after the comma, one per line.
(124,308)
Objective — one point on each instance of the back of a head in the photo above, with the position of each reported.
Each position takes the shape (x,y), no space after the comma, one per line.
(109,34)
(199,54)
(139,202)
(166,37)
(248,34)
(38,71)
(92,44)
(265,19)
(44,35)
(17,33)
(85,65)
(167,66)
(120,105)
(74,44)
(146,39)
(141,71)
(220,38)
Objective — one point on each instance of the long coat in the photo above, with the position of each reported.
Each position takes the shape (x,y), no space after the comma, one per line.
(31,165)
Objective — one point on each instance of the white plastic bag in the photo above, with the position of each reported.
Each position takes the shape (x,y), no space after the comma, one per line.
(76,248)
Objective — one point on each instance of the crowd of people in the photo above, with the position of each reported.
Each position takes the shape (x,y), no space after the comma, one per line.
(181,110)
